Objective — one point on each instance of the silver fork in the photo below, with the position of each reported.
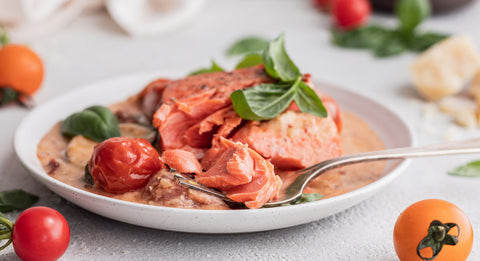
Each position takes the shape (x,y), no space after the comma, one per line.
(303,177)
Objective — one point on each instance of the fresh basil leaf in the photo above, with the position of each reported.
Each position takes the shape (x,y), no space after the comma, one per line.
(250,60)
(422,42)
(411,13)
(247,45)
(262,102)
(277,62)
(16,200)
(214,68)
(97,123)
(366,37)
(308,197)
(471,169)
(393,45)
(308,101)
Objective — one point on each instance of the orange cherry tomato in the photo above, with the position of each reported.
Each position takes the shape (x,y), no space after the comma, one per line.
(20,68)
(433,224)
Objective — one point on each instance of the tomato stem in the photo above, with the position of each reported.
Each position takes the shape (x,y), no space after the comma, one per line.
(4,36)
(437,237)
(5,231)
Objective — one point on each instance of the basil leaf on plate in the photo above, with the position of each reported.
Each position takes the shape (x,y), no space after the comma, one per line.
(250,60)
(277,62)
(248,45)
(262,102)
(307,197)
(471,169)
(308,101)
(411,13)
(422,42)
(97,123)
(16,200)
(214,68)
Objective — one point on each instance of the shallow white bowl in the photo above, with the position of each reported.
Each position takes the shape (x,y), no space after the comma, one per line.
(390,128)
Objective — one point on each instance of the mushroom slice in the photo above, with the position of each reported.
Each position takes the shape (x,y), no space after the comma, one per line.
(133,130)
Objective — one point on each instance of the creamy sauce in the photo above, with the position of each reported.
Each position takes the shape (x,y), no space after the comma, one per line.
(357,137)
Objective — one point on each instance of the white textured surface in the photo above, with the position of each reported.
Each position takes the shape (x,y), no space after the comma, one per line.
(94,48)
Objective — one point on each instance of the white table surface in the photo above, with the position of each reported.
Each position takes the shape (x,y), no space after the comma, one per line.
(94,48)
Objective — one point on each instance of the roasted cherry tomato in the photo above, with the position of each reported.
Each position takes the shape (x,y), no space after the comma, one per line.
(350,14)
(40,234)
(433,229)
(20,69)
(123,164)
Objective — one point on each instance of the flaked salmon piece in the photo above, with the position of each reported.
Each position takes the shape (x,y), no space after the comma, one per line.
(242,174)
(233,167)
(191,100)
(221,122)
(220,84)
(182,161)
(293,140)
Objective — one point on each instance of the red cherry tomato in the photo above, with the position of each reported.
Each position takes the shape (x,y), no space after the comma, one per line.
(123,164)
(350,14)
(40,234)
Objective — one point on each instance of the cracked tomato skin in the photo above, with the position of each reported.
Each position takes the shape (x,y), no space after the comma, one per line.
(123,164)
(40,234)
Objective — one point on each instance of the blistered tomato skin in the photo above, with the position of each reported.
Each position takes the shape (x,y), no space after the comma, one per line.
(123,164)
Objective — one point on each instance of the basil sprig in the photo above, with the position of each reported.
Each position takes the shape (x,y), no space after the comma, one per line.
(471,169)
(213,68)
(266,101)
(247,45)
(384,42)
(16,200)
(250,60)
(96,122)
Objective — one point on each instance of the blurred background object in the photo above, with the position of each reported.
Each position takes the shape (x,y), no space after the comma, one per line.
(438,6)
(30,19)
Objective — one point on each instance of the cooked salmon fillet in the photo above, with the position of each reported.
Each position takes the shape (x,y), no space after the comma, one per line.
(242,174)
(189,101)
(293,140)
(196,121)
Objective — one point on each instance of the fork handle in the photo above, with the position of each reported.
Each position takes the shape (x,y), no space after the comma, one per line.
(447,148)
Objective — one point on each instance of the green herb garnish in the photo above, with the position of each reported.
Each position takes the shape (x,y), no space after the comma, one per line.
(247,45)
(214,68)
(16,200)
(385,42)
(97,123)
(250,60)
(307,197)
(266,101)
(471,169)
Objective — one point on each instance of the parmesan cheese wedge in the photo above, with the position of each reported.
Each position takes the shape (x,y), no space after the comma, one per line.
(463,110)
(445,68)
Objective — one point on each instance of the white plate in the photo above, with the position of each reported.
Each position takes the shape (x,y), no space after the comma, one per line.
(391,129)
